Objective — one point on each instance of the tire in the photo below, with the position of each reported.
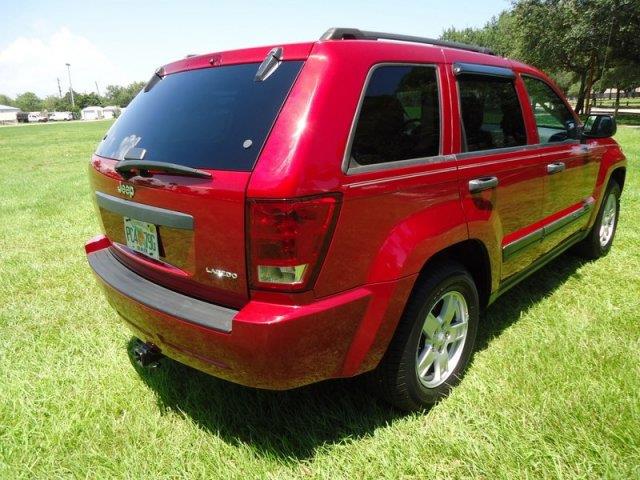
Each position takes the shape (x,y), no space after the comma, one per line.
(419,344)
(600,238)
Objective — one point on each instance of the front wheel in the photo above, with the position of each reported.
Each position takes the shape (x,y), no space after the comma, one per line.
(433,342)
(600,238)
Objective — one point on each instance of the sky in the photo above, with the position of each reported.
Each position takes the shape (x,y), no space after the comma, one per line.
(118,42)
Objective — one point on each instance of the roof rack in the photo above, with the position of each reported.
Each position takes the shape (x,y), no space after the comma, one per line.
(356,34)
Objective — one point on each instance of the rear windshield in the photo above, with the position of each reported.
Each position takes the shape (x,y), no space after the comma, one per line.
(215,118)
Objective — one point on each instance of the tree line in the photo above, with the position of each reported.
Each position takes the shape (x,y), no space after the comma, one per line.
(117,95)
(587,46)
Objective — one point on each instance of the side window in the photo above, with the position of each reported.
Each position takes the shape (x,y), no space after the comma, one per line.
(399,117)
(554,121)
(491,113)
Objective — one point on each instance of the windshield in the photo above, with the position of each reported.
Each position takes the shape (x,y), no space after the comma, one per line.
(216,118)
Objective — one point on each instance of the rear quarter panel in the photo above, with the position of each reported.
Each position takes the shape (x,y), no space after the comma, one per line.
(391,221)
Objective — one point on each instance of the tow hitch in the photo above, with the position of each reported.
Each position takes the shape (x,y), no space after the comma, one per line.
(147,355)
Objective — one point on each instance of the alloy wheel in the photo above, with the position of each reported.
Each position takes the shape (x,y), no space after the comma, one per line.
(442,339)
(608,222)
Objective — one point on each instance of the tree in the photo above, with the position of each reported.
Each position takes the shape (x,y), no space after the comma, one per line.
(6,100)
(66,102)
(565,80)
(28,102)
(579,36)
(553,38)
(122,96)
(622,77)
(87,99)
(53,103)
(498,34)
(113,94)
(576,41)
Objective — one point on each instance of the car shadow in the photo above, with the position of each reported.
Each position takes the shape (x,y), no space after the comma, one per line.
(508,308)
(287,424)
(294,424)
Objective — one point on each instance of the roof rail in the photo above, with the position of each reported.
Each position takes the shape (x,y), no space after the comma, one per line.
(356,34)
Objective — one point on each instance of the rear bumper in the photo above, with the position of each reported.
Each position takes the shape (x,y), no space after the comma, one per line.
(164,300)
(263,345)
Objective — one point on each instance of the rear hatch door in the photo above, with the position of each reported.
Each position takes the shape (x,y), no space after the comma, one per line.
(170,175)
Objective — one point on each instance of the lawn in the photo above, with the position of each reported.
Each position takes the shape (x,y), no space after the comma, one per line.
(628,119)
(553,390)
(624,102)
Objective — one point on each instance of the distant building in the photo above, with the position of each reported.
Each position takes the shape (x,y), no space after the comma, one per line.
(8,115)
(611,93)
(111,111)
(92,113)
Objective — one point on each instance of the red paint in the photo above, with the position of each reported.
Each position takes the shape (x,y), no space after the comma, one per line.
(389,223)
(294,51)
(216,204)
(507,239)
(96,243)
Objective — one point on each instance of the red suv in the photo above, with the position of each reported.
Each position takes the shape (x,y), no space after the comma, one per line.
(278,216)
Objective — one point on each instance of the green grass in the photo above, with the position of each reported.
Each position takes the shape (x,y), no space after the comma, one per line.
(628,119)
(624,102)
(553,390)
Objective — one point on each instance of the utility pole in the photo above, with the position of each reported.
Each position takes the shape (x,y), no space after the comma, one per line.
(73,103)
(59,89)
(97,88)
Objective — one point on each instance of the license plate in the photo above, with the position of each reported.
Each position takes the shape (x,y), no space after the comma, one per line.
(141,237)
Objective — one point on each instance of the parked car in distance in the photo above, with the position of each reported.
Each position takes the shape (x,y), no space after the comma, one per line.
(342,207)
(60,116)
(35,117)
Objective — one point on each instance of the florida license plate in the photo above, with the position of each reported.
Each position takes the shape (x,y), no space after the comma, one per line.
(141,237)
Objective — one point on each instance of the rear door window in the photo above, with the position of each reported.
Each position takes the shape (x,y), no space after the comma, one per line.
(491,113)
(554,121)
(216,118)
(399,117)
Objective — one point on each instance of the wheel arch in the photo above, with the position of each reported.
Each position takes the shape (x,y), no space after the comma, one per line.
(474,256)
(619,174)
(471,253)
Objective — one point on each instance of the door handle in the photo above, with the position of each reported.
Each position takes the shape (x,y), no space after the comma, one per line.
(555,167)
(483,183)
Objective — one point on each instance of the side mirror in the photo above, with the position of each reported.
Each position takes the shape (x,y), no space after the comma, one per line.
(573,129)
(599,126)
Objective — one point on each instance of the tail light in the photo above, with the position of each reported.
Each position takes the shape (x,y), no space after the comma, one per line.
(287,240)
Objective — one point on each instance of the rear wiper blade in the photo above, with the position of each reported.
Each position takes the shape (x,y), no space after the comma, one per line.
(144,167)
